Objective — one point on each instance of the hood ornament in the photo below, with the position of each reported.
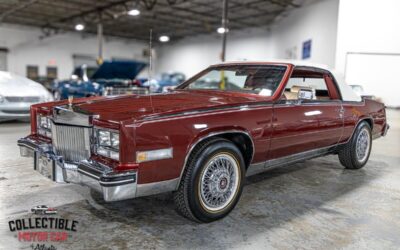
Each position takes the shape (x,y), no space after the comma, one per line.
(70,100)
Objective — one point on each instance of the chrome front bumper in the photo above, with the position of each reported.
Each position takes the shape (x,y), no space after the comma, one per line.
(113,186)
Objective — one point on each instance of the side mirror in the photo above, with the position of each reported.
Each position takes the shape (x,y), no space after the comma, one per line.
(305,94)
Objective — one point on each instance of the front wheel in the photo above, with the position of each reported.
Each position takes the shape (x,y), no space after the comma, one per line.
(212,182)
(356,152)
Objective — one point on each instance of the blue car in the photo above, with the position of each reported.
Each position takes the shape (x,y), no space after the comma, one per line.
(114,77)
(167,81)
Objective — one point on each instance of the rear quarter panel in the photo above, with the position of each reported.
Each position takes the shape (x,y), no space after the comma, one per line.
(354,112)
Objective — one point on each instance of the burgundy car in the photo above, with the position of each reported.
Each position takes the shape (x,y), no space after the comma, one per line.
(200,141)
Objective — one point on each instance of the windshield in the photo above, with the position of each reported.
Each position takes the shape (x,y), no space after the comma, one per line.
(262,80)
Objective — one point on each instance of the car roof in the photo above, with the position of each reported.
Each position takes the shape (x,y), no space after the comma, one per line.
(296,63)
(346,91)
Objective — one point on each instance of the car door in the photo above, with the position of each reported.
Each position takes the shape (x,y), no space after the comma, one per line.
(301,125)
(295,128)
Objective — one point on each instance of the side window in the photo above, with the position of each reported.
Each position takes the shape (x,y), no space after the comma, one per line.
(306,83)
(317,86)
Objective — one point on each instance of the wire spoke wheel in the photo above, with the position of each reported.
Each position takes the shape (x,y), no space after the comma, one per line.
(219,182)
(362,145)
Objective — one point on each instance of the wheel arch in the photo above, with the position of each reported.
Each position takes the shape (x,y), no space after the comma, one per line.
(241,138)
(368,119)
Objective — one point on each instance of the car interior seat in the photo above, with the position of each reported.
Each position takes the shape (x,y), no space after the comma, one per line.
(294,91)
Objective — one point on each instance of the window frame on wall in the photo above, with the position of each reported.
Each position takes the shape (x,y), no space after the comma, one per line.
(53,75)
(28,68)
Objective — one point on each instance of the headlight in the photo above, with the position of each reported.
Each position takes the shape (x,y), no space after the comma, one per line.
(107,143)
(44,126)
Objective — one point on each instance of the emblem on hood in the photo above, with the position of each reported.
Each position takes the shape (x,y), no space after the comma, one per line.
(70,100)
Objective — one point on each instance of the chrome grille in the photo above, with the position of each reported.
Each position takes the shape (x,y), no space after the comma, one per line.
(71,142)
(22,98)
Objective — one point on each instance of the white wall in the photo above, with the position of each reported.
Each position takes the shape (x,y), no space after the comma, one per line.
(25,48)
(367,26)
(317,21)
(368,46)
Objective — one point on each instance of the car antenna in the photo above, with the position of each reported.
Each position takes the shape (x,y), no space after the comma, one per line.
(150,66)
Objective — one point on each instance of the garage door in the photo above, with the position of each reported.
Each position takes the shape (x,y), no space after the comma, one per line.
(377,73)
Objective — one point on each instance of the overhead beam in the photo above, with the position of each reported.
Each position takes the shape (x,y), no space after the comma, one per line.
(21,6)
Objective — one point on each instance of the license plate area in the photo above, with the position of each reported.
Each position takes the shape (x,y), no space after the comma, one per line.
(45,167)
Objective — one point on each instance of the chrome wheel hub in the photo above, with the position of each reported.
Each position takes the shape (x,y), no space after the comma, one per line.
(219,182)
(362,145)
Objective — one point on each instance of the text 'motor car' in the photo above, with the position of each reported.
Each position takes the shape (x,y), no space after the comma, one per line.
(17,94)
(200,141)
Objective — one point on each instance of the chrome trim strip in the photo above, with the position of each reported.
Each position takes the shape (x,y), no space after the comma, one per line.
(116,182)
(291,103)
(211,135)
(88,174)
(290,159)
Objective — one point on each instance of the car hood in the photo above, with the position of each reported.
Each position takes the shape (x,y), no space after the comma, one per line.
(119,70)
(146,106)
(14,85)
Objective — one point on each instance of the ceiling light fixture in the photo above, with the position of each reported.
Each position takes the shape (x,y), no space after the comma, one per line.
(164,39)
(222,30)
(134,12)
(79,27)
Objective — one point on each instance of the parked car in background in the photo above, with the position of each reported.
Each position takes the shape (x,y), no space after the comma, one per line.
(167,82)
(359,90)
(17,94)
(201,143)
(114,77)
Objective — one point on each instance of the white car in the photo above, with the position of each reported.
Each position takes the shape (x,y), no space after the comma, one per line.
(43,209)
(17,94)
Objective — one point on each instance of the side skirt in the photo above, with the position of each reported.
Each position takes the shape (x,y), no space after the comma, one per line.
(260,167)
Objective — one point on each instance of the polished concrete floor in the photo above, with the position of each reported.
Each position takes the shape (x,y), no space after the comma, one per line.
(311,205)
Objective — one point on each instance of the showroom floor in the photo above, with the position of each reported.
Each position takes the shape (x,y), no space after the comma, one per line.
(316,204)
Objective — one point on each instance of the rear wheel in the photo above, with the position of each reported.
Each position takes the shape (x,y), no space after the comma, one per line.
(212,182)
(356,152)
